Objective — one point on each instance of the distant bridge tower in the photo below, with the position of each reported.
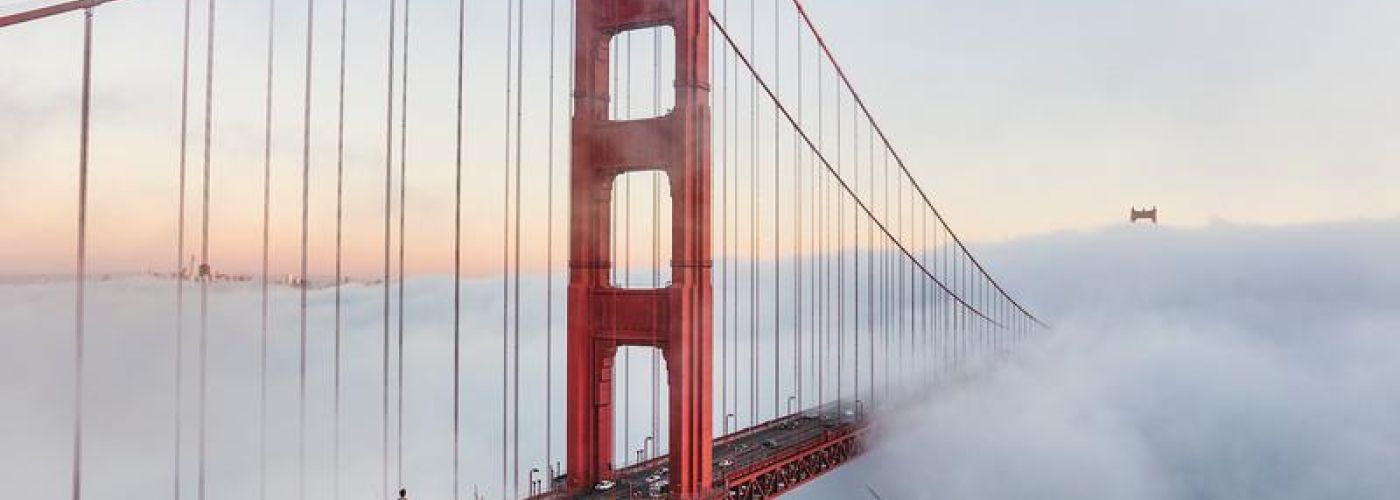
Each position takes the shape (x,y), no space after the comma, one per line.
(603,317)
(1137,215)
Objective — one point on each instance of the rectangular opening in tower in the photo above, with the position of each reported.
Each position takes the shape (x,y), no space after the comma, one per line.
(641,403)
(641,213)
(643,69)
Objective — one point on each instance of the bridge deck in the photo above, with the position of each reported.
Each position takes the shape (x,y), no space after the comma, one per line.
(754,463)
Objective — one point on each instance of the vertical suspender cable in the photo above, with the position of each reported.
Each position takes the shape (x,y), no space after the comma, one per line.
(935,301)
(266,238)
(735,274)
(403,237)
(868,255)
(815,255)
(902,354)
(753,225)
(856,257)
(549,273)
(180,271)
(626,76)
(869,268)
(800,252)
(724,236)
(970,322)
(870,261)
(340,164)
(885,273)
(858,204)
(519,166)
(505,259)
(840,268)
(886,290)
(573,27)
(622,110)
(908,297)
(870,273)
(457,261)
(777,225)
(388,242)
(655,245)
(79,310)
(861,107)
(339,238)
(305,247)
(204,272)
(825,246)
(944,311)
(923,291)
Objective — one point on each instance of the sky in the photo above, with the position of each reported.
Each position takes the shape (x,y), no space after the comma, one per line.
(1020,117)
(1176,369)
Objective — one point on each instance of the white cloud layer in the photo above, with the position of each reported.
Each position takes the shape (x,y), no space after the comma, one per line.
(1221,363)
(1230,362)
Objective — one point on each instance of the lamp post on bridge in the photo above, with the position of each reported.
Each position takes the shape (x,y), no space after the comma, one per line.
(534,483)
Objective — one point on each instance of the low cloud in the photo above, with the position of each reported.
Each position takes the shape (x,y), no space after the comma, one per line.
(1226,362)
(1229,362)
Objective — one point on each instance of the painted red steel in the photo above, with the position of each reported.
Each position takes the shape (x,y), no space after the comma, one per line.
(803,457)
(797,465)
(602,317)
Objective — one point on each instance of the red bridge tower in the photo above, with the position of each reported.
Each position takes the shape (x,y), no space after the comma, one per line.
(602,317)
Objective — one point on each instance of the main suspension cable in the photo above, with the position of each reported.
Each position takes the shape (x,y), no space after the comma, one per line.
(854,198)
(928,202)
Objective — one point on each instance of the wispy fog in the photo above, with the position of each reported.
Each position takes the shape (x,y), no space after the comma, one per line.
(1229,362)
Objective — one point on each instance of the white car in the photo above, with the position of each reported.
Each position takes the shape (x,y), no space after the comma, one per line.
(604,485)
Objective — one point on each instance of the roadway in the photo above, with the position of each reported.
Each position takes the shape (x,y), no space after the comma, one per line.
(735,455)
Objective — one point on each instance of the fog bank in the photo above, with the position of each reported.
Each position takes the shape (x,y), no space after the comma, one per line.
(1227,362)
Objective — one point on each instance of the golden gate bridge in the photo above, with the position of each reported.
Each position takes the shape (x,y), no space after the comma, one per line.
(802,284)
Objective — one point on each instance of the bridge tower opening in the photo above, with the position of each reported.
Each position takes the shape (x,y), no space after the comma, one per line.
(675,318)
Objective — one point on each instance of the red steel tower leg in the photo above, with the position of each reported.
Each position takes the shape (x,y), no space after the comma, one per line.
(676,319)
